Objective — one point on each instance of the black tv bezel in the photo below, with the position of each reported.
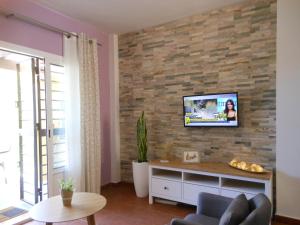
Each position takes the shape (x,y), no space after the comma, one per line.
(237,100)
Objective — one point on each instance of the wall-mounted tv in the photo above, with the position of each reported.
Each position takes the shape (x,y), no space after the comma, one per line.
(211,110)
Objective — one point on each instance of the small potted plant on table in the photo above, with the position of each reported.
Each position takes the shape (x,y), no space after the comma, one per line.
(66,191)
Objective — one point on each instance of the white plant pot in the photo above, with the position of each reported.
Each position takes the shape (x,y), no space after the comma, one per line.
(141,178)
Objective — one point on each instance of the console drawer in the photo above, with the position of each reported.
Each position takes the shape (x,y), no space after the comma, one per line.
(191,192)
(166,188)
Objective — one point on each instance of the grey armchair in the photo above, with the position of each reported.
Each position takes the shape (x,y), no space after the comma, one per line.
(218,210)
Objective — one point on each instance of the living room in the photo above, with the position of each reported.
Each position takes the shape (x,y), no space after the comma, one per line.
(148,104)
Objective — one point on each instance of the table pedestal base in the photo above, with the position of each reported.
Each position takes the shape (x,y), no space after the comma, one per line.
(91,220)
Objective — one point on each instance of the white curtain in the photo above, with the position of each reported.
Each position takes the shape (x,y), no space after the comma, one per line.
(83,114)
(75,165)
(90,111)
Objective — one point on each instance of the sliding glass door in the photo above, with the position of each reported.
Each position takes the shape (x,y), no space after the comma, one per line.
(35,132)
(57,145)
(32,130)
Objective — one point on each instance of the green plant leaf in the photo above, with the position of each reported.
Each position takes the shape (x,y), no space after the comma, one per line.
(67,185)
(142,138)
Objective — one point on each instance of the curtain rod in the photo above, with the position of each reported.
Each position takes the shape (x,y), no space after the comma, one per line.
(39,24)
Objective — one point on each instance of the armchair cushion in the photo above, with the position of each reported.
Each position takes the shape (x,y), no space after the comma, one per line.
(177,221)
(202,219)
(236,212)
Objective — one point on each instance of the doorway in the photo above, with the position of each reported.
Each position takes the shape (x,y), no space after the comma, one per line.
(23,130)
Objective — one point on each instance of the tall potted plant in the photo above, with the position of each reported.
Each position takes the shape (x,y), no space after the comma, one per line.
(140,167)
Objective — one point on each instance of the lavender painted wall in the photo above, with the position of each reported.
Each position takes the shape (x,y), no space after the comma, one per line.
(21,33)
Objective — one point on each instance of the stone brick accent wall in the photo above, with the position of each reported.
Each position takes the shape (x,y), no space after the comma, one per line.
(224,50)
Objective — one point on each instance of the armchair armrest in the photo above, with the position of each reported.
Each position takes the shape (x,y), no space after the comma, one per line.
(212,205)
(181,222)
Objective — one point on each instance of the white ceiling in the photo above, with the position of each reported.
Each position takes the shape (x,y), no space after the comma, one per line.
(121,16)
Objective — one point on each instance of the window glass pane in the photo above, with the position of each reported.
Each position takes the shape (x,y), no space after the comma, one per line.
(58,116)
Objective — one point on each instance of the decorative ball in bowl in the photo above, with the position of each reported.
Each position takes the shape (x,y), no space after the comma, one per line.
(250,167)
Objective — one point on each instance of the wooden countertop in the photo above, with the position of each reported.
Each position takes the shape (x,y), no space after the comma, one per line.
(213,167)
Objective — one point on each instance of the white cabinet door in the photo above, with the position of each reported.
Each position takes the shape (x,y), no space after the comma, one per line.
(191,192)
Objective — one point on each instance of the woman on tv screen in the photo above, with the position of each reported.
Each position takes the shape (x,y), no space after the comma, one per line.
(230,110)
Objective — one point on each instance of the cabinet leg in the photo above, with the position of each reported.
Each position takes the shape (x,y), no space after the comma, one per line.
(91,220)
(150,200)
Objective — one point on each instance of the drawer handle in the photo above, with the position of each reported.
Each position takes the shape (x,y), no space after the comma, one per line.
(166,188)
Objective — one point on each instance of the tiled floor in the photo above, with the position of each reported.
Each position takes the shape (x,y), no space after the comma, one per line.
(124,208)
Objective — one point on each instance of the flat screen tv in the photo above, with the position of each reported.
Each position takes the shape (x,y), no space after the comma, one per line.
(211,110)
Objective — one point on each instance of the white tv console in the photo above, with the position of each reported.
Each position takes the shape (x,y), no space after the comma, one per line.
(182,182)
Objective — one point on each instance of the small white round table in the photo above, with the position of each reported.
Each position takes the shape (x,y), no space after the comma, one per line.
(84,204)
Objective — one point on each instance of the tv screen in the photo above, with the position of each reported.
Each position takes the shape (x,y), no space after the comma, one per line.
(211,110)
